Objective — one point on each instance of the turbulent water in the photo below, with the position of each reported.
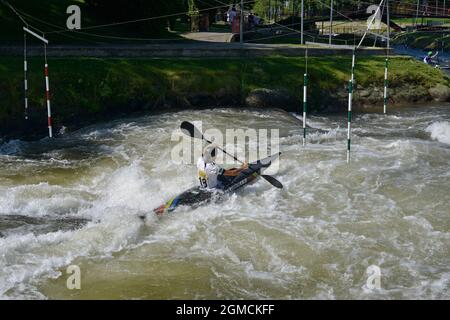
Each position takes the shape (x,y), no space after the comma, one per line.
(75,200)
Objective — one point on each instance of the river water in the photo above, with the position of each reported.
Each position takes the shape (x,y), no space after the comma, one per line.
(75,200)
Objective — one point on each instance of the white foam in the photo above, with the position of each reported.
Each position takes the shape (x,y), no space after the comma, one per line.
(440,131)
(261,242)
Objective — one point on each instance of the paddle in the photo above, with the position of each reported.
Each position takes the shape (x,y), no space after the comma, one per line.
(192,131)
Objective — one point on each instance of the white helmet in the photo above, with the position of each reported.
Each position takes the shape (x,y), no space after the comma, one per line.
(210,153)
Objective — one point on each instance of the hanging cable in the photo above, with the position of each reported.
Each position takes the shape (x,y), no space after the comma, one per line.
(143,19)
(6,3)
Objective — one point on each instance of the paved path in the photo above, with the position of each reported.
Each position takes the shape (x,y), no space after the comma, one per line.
(185,49)
(208,36)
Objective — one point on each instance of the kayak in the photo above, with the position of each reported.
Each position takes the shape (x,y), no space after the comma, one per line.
(197,195)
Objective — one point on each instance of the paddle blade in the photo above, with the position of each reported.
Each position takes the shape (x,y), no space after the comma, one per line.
(273,181)
(268,161)
(189,129)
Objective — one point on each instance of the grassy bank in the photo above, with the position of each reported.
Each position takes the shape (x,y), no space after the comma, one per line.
(90,89)
(406,22)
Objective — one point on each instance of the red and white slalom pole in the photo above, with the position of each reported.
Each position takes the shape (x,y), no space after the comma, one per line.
(47,84)
(47,95)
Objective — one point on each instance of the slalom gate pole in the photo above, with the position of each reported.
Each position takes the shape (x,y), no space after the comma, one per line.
(47,85)
(353,65)
(385,95)
(349,118)
(301,23)
(47,95)
(305,95)
(25,75)
(350,98)
(305,105)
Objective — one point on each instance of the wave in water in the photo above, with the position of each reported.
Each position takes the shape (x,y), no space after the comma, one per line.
(440,131)
(313,239)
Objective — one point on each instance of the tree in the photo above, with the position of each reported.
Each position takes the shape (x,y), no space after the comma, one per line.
(110,11)
(209,7)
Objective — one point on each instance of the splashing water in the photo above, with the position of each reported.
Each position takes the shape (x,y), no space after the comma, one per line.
(76,200)
(440,131)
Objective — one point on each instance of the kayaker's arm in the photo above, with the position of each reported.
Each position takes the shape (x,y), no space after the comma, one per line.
(235,171)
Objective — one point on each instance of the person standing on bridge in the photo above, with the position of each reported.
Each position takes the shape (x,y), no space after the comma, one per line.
(232,13)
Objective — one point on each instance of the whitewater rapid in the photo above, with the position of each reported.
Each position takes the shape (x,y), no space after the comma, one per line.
(75,200)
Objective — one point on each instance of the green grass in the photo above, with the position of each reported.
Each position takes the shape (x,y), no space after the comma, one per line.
(90,87)
(412,21)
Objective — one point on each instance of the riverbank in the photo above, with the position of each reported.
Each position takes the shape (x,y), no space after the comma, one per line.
(92,89)
(424,40)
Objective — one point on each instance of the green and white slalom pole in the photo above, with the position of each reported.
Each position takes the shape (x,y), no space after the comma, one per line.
(349,118)
(305,95)
(350,98)
(305,105)
(385,96)
(353,65)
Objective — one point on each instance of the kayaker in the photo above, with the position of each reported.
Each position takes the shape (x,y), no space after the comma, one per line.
(211,175)
(429,57)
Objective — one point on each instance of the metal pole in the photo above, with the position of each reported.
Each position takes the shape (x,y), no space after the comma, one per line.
(47,95)
(331,22)
(25,74)
(353,65)
(322,13)
(305,92)
(350,97)
(305,105)
(417,12)
(241,24)
(385,99)
(349,118)
(388,25)
(301,27)
(47,85)
(36,35)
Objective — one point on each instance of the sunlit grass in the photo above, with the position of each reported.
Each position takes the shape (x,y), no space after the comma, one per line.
(84,86)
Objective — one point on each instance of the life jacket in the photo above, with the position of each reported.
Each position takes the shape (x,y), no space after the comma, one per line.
(202,176)
(209,174)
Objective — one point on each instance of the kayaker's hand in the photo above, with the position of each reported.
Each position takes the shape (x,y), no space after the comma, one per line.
(245,165)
